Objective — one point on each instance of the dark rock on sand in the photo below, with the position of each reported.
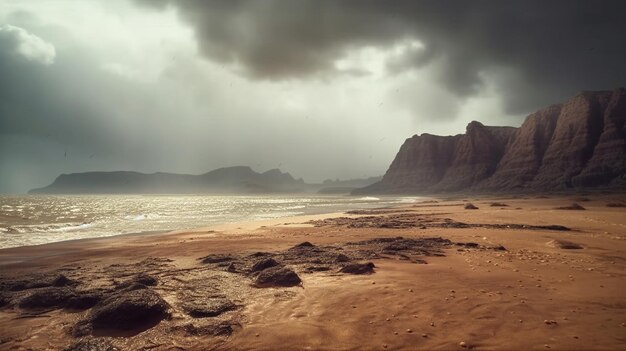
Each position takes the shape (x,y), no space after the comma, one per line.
(573,206)
(208,307)
(64,297)
(128,310)
(231,268)
(553,227)
(84,300)
(129,286)
(311,269)
(566,245)
(277,276)
(358,268)
(263,264)
(342,258)
(304,244)
(472,245)
(616,204)
(220,328)
(498,204)
(92,344)
(470,206)
(34,282)
(216,258)
(145,279)
(260,254)
(140,281)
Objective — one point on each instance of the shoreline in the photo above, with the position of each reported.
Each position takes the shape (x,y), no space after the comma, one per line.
(225,221)
(492,268)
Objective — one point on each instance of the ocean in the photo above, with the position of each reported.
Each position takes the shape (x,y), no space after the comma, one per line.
(40,219)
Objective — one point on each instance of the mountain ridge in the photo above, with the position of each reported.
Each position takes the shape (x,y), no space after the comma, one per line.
(226,180)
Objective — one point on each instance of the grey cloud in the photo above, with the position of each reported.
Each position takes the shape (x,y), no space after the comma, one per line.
(558,47)
(15,40)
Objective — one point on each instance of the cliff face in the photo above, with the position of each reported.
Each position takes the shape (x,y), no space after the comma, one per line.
(581,143)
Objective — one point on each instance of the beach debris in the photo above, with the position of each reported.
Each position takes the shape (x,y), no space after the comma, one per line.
(277,276)
(358,268)
(470,206)
(210,307)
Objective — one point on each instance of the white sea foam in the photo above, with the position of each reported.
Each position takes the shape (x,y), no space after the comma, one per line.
(368,198)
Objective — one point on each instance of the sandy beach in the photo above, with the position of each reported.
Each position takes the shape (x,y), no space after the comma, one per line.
(515,273)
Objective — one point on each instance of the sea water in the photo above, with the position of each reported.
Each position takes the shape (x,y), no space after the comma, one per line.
(41,219)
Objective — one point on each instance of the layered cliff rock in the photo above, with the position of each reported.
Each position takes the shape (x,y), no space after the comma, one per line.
(578,144)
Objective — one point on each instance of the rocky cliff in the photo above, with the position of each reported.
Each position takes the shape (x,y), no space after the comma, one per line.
(578,144)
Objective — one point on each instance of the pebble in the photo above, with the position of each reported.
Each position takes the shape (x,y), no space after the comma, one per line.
(387,319)
(384,346)
(257,335)
(463,344)
(410,290)
(432,324)
(409,331)
(395,333)
(546,321)
(424,335)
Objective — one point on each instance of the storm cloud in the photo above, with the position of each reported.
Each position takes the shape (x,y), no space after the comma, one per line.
(536,51)
(321,89)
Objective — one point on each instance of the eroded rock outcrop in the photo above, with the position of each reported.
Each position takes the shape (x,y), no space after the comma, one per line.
(578,144)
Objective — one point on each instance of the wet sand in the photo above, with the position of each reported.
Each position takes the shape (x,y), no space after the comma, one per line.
(501,277)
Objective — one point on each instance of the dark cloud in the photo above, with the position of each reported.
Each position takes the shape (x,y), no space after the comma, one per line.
(550,49)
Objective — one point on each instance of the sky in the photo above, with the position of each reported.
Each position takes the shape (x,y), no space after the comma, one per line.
(319,88)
